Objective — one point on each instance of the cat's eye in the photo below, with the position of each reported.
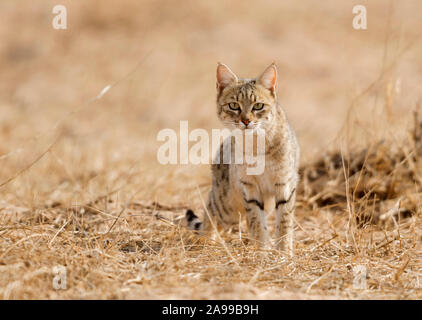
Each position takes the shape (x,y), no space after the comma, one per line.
(258,106)
(234,106)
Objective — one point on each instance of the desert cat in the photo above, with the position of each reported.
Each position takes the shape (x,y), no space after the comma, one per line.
(252,104)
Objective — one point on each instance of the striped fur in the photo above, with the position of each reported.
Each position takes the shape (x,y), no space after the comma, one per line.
(233,192)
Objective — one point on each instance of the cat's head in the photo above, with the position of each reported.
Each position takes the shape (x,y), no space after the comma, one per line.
(246,103)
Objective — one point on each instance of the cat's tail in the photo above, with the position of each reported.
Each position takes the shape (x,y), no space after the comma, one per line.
(192,221)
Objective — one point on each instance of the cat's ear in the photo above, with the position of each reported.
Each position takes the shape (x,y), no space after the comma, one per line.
(268,78)
(225,77)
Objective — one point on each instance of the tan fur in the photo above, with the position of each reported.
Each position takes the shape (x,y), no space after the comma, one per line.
(233,190)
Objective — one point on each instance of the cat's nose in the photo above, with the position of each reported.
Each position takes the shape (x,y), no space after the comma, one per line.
(245,121)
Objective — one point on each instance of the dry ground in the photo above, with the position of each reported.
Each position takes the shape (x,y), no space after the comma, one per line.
(80,185)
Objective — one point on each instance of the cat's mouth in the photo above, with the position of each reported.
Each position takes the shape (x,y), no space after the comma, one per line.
(240,125)
(250,126)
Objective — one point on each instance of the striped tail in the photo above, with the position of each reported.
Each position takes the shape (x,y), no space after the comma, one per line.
(193,221)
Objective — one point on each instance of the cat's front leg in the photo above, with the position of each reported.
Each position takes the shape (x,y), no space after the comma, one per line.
(255,213)
(285,207)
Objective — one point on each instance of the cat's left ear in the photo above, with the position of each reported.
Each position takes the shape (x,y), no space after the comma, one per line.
(225,77)
(268,79)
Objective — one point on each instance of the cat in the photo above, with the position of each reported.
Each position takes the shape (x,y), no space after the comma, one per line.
(252,104)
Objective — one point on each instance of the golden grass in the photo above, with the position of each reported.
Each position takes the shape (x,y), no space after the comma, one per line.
(81,186)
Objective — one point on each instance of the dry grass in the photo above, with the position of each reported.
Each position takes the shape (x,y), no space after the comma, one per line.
(80,185)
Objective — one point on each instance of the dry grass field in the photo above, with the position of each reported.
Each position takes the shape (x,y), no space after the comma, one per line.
(81,187)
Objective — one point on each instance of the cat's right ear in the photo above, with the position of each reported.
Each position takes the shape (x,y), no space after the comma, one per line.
(225,77)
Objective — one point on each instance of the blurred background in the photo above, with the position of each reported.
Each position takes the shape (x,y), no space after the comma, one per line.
(58,144)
